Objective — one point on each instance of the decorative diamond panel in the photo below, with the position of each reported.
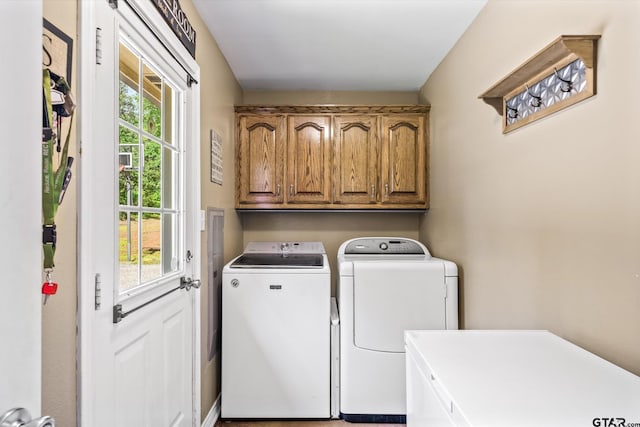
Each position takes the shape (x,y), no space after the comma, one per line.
(558,86)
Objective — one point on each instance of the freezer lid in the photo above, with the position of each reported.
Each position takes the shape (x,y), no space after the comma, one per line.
(523,378)
(261,260)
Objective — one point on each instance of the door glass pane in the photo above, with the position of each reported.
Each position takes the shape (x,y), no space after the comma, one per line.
(129,162)
(151,174)
(168,176)
(152,102)
(168,114)
(129,86)
(128,249)
(169,238)
(151,247)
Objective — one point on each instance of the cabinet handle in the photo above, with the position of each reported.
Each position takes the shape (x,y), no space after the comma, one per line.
(386,189)
(278,190)
(373,191)
(291,190)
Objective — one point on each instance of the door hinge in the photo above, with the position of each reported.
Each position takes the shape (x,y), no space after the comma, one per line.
(98,292)
(98,45)
(113,4)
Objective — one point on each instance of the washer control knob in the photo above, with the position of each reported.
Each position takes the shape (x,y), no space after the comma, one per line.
(384,246)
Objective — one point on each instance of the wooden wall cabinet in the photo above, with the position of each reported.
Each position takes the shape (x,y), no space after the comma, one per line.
(332,157)
(403,160)
(260,159)
(309,159)
(356,146)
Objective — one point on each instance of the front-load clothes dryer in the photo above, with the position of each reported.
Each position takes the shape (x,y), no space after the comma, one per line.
(386,286)
(276,320)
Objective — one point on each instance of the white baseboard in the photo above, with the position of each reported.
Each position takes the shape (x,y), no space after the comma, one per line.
(213,414)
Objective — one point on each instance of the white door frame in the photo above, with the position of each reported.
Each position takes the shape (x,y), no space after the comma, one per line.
(86,278)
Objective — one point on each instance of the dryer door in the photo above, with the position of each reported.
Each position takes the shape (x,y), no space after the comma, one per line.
(393,296)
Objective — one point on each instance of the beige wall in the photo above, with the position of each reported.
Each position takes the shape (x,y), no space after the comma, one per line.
(59,314)
(544,222)
(219,92)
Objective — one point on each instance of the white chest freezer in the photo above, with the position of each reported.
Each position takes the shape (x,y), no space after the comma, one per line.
(513,378)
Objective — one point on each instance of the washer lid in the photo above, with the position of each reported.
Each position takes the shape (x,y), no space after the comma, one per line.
(278,261)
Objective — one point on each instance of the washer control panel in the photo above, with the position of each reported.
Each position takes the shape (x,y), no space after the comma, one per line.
(372,246)
(284,248)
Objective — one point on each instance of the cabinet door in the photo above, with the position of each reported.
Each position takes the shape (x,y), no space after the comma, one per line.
(403,165)
(260,159)
(309,159)
(356,159)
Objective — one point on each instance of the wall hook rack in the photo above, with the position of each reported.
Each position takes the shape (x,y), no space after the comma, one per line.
(560,75)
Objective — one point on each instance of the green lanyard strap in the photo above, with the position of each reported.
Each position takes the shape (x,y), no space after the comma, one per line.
(52,181)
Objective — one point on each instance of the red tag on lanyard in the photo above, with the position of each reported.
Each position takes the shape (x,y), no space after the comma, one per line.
(49,288)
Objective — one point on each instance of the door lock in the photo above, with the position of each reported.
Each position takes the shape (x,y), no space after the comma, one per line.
(186,283)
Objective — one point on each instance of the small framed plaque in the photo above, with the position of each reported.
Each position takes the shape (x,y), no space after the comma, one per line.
(216,157)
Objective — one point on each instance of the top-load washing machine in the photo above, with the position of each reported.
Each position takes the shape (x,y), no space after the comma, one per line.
(276,317)
(386,286)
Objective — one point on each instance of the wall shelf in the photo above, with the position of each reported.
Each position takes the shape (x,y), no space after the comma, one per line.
(561,74)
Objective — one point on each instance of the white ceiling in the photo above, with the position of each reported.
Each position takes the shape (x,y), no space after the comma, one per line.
(334,45)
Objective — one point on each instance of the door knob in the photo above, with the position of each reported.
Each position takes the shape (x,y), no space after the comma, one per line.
(45,421)
(20,417)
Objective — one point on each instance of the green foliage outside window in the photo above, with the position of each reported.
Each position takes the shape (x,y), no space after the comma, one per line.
(152,151)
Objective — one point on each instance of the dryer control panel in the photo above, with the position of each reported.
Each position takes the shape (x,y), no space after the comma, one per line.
(374,246)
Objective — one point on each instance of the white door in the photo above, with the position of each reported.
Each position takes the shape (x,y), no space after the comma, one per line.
(139,242)
(20,207)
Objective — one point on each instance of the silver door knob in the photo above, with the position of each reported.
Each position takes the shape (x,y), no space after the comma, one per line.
(20,417)
(45,421)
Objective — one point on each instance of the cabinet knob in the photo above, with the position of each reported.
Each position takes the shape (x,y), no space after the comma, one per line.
(291,190)
(373,191)
(278,190)
(386,189)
